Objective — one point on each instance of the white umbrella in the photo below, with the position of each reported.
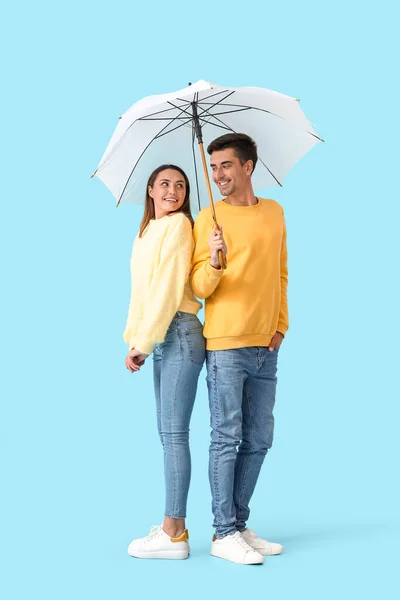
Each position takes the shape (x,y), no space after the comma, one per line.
(163,129)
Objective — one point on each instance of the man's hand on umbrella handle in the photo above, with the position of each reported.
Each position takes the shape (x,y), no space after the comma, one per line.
(217,245)
(134,360)
(276,341)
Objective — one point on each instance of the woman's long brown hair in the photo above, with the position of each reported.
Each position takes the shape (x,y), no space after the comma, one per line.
(149,210)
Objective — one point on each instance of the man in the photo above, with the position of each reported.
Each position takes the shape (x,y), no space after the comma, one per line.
(246,318)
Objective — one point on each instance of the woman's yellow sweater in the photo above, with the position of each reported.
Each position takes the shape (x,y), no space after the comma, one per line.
(160,267)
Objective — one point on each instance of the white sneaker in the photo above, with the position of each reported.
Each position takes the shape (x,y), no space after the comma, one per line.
(233,547)
(262,546)
(159,545)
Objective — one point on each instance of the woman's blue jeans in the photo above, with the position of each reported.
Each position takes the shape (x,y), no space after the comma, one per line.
(177,365)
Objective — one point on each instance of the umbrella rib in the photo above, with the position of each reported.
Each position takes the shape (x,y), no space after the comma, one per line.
(207,111)
(261,161)
(228,112)
(208,122)
(189,114)
(212,104)
(244,107)
(229,93)
(135,165)
(171,119)
(212,116)
(189,118)
(270,172)
(161,119)
(161,134)
(159,112)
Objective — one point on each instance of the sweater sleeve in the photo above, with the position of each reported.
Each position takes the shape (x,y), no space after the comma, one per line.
(283,323)
(166,290)
(203,278)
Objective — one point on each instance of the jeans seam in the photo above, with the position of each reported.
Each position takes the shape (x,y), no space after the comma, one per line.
(249,456)
(218,421)
(170,516)
(176,493)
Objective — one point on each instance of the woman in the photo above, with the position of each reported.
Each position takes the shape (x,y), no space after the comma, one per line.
(162,319)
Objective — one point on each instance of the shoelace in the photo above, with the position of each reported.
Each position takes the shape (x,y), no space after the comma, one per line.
(154,530)
(237,538)
(250,533)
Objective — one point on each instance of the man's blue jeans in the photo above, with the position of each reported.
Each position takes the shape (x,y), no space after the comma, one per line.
(177,365)
(241,386)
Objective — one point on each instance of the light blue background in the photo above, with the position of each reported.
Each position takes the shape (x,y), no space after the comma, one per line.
(81,462)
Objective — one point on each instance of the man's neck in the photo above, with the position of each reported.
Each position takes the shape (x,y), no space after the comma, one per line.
(246,198)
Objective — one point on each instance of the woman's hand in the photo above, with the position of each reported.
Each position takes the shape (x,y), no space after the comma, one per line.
(134,360)
(216,242)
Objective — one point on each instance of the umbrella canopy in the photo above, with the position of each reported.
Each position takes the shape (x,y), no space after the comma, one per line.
(161,129)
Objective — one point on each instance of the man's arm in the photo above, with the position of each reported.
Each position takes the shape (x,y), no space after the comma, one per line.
(203,278)
(283,322)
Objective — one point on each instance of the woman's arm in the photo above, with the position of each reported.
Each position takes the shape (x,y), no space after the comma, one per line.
(165,293)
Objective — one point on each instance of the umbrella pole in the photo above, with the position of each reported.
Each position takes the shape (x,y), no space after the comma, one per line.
(199,134)
(221,258)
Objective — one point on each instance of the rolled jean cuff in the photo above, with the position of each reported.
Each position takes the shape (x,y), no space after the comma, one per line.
(223,532)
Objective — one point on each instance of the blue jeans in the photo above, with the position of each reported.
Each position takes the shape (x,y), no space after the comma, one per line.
(241,386)
(177,365)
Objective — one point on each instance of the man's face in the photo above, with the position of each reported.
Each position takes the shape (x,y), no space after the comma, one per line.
(228,173)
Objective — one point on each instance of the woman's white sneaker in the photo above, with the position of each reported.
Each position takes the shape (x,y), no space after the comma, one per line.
(233,547)
(262,546)
(159,545)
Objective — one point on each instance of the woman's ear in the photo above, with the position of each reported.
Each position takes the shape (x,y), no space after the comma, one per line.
(150,191)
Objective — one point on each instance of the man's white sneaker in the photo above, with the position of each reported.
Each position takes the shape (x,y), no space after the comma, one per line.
(159,545)
(233,547)
(262,546)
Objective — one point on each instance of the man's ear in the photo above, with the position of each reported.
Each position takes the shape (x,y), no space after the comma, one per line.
(249,167)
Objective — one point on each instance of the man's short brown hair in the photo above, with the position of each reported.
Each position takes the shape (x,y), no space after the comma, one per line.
(245,148)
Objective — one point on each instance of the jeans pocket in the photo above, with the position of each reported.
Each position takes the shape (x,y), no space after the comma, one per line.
(196,346)
(192,325)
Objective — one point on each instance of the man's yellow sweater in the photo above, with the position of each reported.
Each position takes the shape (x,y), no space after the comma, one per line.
(247,303)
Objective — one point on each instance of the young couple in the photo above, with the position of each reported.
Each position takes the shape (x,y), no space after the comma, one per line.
(246,318)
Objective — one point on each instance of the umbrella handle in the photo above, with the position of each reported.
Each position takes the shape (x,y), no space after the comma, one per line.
(221,257)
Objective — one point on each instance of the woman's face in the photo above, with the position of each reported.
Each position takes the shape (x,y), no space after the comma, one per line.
(168,192)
